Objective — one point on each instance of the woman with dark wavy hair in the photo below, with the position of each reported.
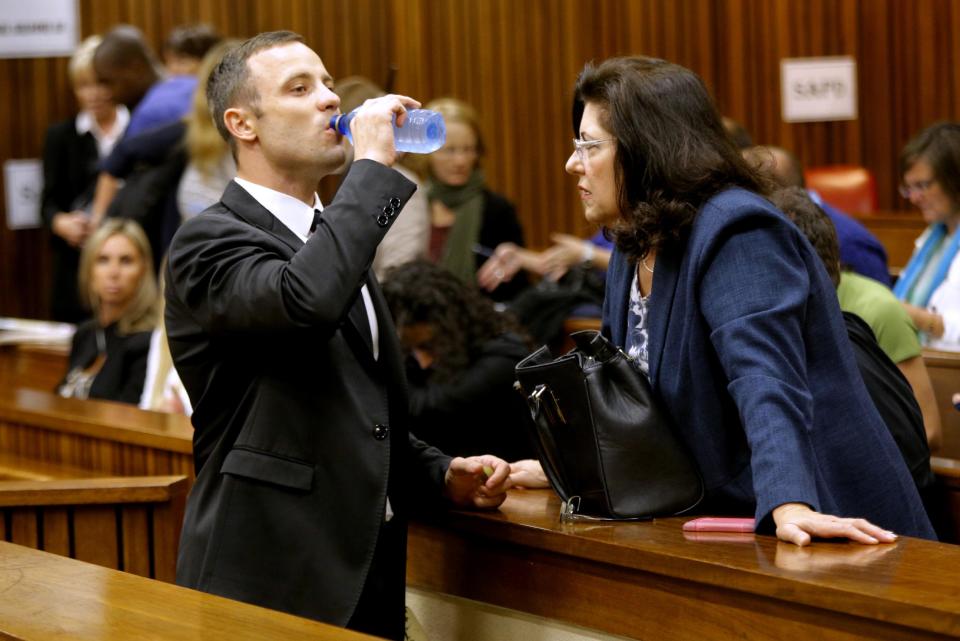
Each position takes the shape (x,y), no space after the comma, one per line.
(462,356)
(724,306)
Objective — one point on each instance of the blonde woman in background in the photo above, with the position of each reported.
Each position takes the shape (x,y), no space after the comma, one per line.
(163,390)
(71,151)
(108,356)
(211,165)
(408,237)
(470,225)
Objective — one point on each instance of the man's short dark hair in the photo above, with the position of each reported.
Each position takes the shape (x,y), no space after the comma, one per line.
(796,203)
(229,86)
(123,46)
(192,41)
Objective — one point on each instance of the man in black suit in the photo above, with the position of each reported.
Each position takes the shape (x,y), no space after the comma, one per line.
(305,469)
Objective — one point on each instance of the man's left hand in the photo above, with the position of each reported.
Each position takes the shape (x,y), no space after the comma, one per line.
(468,484)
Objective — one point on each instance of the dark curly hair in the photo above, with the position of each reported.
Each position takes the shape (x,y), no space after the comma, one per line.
(673,153)
(462,318)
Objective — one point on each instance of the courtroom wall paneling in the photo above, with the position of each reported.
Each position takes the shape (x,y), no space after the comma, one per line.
(516,62)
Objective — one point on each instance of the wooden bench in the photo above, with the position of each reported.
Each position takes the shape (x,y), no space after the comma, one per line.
(111,439)
(650,581)
(34,366)
(44,597)
(129,523)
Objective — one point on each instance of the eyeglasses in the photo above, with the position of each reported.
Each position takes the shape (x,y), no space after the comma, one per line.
(582,147)
(907,190)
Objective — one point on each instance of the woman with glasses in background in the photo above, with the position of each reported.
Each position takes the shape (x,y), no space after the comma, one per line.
(929,285)
(471,226)
(721,302)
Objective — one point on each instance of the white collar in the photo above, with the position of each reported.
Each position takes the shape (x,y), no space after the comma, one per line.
(296,215)
(85,122)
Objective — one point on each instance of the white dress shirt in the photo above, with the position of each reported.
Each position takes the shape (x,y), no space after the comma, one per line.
(105,141)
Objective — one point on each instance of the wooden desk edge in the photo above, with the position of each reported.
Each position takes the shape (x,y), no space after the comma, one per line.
(85,590)
(784,587)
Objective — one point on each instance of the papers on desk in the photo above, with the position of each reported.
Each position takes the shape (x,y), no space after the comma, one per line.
(20,331)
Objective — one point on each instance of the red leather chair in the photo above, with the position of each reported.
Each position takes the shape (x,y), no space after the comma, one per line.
(849,188)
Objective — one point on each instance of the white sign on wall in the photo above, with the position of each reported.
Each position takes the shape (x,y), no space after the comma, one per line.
(38,28)
(23,184)
(817,89)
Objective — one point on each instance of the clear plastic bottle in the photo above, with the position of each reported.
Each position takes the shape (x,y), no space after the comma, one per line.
(422,133)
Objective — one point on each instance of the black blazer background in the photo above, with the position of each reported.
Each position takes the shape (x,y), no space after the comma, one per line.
(69,177)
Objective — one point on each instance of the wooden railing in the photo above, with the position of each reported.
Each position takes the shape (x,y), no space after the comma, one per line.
(37,367)
(128,523)
(111,439)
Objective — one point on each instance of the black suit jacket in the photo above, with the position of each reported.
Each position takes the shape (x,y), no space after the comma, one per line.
(69,177)
(299,431)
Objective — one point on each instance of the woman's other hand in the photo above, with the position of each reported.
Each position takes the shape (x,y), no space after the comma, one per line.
(506,261)
(528,473)
(797,523)
(566,252)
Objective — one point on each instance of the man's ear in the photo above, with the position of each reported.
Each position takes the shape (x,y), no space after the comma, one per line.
(241,123)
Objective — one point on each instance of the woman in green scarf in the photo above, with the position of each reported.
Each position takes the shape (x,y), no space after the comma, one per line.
(469,223)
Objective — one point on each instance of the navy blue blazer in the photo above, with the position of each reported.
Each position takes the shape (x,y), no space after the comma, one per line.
(749,353)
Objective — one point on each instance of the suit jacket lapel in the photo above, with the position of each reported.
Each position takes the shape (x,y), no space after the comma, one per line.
(240,202)
(245,206)
(665,280)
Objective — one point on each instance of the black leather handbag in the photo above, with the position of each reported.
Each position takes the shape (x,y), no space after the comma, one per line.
(604,442)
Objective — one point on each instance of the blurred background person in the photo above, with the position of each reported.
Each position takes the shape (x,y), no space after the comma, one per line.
(108,356)
(460,366)
(409,237)
(469,223)
(126,64)
(71,151)
(210,164)
(929,285)
(138,180)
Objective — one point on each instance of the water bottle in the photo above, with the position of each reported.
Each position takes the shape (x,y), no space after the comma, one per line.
(423,132)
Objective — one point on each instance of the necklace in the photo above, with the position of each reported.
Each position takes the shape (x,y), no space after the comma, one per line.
(643,261)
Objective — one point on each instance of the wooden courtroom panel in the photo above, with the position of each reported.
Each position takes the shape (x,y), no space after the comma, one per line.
(109,438)
(131,523)
(650,581)
(897,232)
(944,370)
(516,63)
(51,598)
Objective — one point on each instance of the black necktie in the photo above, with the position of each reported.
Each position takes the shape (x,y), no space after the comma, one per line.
(315,223)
